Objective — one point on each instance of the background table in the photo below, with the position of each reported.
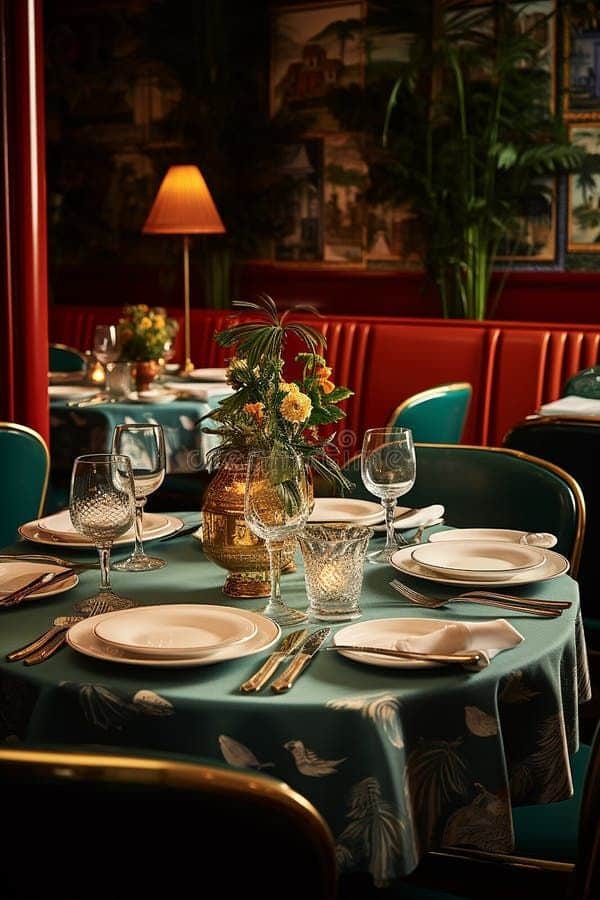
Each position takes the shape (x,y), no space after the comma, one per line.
(74,431)
(399,761)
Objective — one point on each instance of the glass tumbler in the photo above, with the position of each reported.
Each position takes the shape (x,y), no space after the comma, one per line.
(334,558)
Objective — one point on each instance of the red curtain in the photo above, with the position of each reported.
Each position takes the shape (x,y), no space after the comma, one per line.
(23,237)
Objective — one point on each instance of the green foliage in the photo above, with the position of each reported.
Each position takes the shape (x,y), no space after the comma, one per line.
(481,137)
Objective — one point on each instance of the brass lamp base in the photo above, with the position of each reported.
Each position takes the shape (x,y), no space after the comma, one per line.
(187,367)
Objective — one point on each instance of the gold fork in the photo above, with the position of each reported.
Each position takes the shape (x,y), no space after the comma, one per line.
(52,640)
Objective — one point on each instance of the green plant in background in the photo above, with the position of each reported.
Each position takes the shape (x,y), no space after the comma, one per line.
(468,134)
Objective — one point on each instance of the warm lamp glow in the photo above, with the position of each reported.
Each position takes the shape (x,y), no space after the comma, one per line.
(183,205)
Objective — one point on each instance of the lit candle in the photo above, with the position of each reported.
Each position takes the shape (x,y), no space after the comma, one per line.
(98,375)
(329,578)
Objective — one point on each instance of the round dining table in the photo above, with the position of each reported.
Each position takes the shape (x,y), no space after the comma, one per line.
(398,760)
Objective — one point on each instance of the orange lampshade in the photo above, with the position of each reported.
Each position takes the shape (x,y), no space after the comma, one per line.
(183,205)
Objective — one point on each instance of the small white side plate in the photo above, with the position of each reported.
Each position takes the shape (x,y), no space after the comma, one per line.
(484,534)
(345,509)
(32,532)
(15,575)
(554,566)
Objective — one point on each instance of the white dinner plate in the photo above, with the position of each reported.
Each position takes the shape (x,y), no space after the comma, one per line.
(384,633)
(493,560)
(555,565)
(345,509)
(31,532)
(169,632)
(59,525)
(484,534)
(81,637)
(207,374)
(70,392)
(15,575)
(154,397)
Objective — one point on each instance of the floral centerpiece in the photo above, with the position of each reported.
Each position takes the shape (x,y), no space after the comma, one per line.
(268,410)
(145,334)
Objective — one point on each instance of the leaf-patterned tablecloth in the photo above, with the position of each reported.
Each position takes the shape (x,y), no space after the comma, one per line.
(399,761)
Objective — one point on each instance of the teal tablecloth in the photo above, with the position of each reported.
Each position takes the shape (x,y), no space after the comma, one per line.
(89,430)
(399,761)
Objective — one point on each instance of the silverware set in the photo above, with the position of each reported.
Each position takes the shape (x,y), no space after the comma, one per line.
(470,659)
(46,645)
(44,580)
(299,645)
(545,609)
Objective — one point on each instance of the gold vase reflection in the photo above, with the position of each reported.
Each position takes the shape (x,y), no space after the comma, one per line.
(227,540)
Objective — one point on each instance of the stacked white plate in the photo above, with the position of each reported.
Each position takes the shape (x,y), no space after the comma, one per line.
(183,634)
(345,509)
(58,529)
(480,562)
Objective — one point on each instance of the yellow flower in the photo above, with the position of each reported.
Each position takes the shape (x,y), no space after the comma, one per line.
(145,323)
(256,410)
(159,321)
(287,388)
(296,407)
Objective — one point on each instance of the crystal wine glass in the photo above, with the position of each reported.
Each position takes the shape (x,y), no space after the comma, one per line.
(107,347)
(276,506)
(388,470)
(145,446)
(102,507)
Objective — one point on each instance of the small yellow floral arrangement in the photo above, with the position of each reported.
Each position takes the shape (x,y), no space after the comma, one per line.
(145,333)
(267,411)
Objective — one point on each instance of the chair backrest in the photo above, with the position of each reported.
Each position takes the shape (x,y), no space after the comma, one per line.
(65,359)
(574,445)
(587,867)
(156,828)
(497,488)
(24,468)
(435,416)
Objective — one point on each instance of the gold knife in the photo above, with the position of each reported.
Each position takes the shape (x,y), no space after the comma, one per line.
(310,646)
(288,645)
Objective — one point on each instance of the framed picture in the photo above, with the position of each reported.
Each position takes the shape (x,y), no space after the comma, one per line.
(300,237)
(345,182)
(583,216)
(394,237)
(314,48)
(538,20)
(581,98)
(534,237)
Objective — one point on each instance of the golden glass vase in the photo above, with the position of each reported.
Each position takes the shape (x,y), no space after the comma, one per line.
(227,540)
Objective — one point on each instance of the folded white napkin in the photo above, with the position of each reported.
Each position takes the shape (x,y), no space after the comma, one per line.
(200,391)
(571,406)
(426,514)
(454,637)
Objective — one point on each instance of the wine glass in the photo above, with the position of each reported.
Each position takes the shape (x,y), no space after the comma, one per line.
(145,446)
(276,506)
(387,466)
(107,347)
(102,507)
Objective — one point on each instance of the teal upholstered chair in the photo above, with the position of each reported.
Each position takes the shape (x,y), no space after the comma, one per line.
(65,359)
(573,444)
(177,827)
(490,487)
(435,416)
(24,468)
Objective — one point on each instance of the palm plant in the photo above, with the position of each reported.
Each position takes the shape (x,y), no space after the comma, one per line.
(468,133)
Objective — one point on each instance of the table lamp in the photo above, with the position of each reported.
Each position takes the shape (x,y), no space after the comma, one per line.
(183,205)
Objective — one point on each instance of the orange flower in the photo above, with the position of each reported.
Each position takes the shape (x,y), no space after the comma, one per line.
(322,374)
(256,410)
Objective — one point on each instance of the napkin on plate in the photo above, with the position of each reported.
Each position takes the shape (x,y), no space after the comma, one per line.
(455,637)
(571,406)
(426,514)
